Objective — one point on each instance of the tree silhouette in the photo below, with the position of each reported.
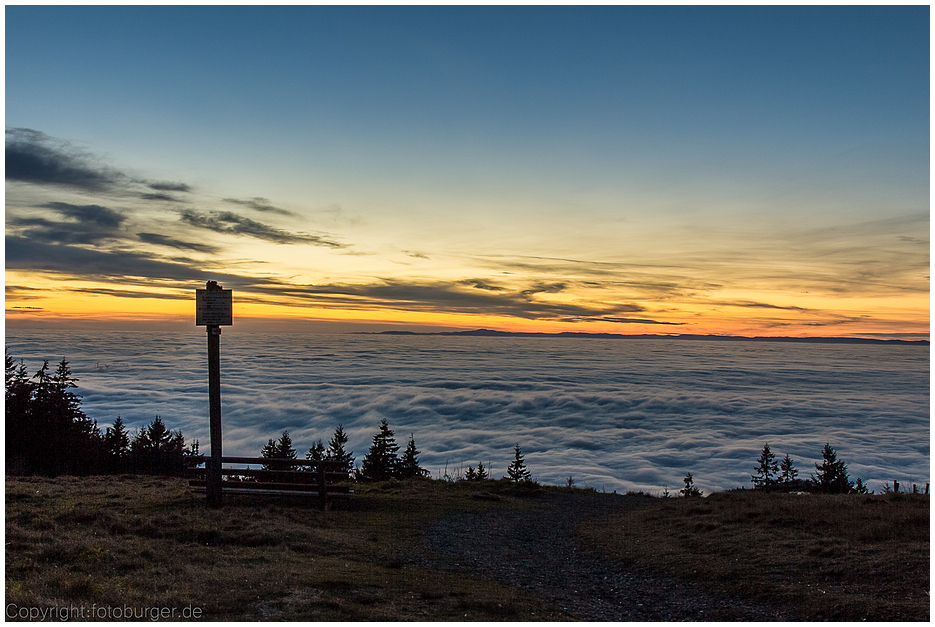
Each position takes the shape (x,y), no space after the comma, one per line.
(517,470)
(689,489)
(381,460)
(48,433)
(21,432)
(767,471)
(408,467)
(831,477)
(337,451)
(316,453)
(117,447)
(789,472)
(157,450)
(278,450)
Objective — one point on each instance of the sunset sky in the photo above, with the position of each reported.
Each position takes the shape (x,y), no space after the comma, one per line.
(739,170)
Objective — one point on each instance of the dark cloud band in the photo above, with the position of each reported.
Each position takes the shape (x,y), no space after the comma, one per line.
(34,157)
(259,204)
(233,224)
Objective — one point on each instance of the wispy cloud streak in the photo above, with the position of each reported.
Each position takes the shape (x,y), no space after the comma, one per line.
(259,204)
(230,223)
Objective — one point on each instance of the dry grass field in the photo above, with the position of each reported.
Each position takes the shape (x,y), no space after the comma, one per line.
(146,542)
(150,544)
(827,557)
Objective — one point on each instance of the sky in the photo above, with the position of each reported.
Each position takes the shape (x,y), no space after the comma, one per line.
(758,171)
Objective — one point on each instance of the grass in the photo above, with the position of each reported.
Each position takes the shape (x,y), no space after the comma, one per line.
(147,542)
(821,557)
(144,542)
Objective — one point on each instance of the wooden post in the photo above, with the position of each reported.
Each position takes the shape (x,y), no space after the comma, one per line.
(213,308)
(213,489)
(322,486)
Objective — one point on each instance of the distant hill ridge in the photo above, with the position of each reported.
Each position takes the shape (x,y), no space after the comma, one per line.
(678,336)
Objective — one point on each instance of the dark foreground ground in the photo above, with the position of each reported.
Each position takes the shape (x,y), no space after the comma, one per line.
(436,551)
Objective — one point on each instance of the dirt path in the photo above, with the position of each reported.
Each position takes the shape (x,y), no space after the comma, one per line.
(536,550)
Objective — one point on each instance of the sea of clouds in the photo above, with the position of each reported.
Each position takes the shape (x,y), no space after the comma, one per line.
(614,414)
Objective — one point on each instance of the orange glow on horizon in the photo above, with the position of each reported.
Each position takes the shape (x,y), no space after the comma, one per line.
(47,302)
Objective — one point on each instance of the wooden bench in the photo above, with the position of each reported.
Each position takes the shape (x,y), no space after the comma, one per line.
(325,479)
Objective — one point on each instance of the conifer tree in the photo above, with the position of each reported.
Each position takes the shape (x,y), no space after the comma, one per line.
(832,473)
(767,471)
(68,440)
(21,431)
(337,449)
(157,450)
(278,450)
(51,434)
(49,424)
(117,447)
(315,454)
(18,394)
(689,489)
(789,472)
(481,471)
(408,467)
(517,470)
(381,460)
(470,474)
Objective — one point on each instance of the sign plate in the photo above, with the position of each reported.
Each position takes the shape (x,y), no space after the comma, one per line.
(213,307)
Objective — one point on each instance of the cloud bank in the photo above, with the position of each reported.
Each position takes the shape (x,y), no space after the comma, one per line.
(615,414)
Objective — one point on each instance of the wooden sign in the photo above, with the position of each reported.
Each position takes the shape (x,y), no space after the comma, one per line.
(213,307)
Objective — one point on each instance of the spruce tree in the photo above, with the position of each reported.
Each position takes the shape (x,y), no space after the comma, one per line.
(689,489)
(20,428)
(117,447)
(278,450)
(767,471)
(337,449)
(269,449)
(49,424)
(46,430)
(157,450)
(481,471)
(789,472)
(517,470)
(408,467)
(315,454)
(381,460)
(71,441)
(832,473)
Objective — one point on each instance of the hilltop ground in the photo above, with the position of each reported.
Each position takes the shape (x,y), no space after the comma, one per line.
(437,551)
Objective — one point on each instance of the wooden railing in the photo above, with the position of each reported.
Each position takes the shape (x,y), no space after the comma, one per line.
(325,479)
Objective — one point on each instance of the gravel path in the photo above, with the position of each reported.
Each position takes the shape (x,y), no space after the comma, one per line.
(536,551)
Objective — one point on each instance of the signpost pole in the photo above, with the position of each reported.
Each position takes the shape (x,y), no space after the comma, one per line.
(213,489)
(212,309)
